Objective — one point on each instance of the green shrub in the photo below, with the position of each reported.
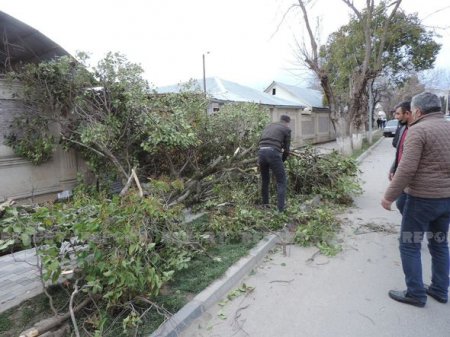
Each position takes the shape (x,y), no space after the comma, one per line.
(123,247)
(333,176)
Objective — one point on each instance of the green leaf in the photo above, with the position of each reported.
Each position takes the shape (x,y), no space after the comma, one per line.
(6,243)
(26,239)
(107,273)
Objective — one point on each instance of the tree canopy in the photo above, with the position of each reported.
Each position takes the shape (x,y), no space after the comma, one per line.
(379,40)
(408,48)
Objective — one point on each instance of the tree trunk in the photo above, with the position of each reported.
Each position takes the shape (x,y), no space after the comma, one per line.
(343,137)
(371,109)
(48,324)
(357,140)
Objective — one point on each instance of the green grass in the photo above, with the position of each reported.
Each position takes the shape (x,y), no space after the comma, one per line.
(188,280)
(15,320)
(202,271)
(5,322)
(365,144)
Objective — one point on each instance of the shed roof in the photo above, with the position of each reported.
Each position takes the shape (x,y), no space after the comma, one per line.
(21,43)
(228,91)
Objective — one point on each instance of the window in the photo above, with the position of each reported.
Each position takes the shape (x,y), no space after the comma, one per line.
(274,91)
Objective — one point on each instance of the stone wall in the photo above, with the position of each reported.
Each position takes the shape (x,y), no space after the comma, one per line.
(21,180)
(307,128)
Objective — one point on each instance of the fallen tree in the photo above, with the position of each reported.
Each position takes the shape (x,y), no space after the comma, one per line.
(126,248)
(123,248)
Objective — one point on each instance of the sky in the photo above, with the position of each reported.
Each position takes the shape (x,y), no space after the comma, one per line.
(250,42)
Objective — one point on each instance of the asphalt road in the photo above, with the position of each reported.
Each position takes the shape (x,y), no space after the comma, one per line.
(307,294)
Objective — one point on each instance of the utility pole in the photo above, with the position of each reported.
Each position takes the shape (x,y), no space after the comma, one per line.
(204,73)
(446,102)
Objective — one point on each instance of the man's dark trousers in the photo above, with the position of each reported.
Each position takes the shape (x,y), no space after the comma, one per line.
(425,218)
(400,202)
(271,159)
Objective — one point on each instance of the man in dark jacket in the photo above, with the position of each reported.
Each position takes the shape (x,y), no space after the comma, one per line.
(402,113)
(404,116)
(273,151)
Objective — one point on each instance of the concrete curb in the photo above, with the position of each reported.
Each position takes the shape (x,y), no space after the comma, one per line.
(369,150)
(217,290)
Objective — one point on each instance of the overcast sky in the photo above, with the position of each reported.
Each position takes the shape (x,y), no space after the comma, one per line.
(169,37)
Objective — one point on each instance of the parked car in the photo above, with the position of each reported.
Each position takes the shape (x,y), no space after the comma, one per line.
(390,128)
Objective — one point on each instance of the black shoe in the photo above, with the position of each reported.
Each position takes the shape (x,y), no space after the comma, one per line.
(431,293)
(402,296)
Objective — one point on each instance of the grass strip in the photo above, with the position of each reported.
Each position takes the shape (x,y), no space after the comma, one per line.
(202,271)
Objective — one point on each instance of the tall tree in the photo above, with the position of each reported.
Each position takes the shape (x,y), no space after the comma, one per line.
(391,94)
(437,78)
(378,40)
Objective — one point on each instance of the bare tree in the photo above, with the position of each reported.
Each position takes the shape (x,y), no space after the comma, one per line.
(390,95)
(437,78)
(348,117)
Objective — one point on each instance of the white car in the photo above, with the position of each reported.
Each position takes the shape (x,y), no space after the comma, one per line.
(390,128)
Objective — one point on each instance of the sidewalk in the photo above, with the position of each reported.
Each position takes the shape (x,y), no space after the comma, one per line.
(305,294)
(19,278)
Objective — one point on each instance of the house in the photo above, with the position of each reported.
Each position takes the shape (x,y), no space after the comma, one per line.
(310,121)
(307,97)
(316,126)
(19,179)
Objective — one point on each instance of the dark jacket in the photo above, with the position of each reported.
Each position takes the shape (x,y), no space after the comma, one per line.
(398,133)
(396,143)
(278,136)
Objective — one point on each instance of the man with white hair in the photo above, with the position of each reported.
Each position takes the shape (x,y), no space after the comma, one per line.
(424,175)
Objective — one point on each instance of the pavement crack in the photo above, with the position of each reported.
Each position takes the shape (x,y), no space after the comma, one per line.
(281,281)
(365,316)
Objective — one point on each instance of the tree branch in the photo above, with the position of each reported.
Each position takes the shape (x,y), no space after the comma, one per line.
(385,31)
(312,39)
(71,311)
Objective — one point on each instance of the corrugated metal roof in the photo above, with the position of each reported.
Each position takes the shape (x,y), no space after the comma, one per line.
(21,44)
(305,96)
(224,90)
